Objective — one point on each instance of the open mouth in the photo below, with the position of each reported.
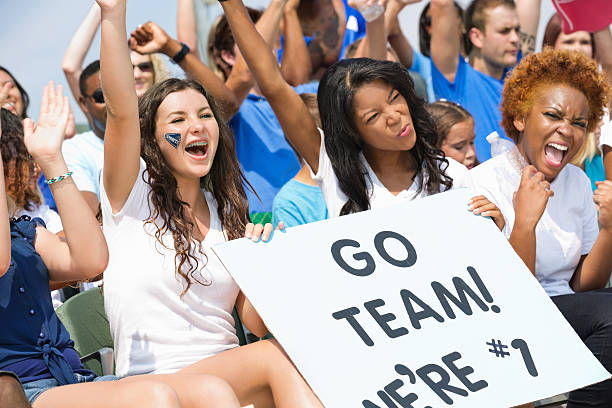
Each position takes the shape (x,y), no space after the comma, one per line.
(197,149)
(555,153)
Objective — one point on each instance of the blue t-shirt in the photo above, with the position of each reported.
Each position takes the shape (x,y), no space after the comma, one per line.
(266,158)
(422,65)
(479,94)
(298,203)
(594,169)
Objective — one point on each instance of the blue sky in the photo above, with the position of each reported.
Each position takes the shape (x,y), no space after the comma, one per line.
(36,34)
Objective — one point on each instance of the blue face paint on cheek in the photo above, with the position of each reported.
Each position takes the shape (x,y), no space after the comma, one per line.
(173,138)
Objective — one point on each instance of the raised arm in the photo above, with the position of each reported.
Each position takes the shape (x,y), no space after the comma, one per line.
(150,38)
(84,253)
(72,64)
(395,36)
(374,44)
(5,229)
(298,125)
(186,26)
(296,65)
(240,80)
(122,137)
(529,16)
(445,43)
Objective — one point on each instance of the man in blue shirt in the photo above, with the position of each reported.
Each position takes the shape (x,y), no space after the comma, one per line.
(495,37)
(264,154)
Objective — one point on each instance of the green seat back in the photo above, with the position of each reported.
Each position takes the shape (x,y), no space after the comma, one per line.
(84,318)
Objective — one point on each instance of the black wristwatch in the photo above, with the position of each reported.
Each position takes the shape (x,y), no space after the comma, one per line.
(180,56)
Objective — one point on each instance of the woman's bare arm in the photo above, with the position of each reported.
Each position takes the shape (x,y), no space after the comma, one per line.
(84,253)
(122,137)
(5,228)
(72,64)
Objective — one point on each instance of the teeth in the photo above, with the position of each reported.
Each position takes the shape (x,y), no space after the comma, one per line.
(558,146)
(195,144)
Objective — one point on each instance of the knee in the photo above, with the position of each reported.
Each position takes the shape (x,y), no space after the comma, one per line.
(216,392)
(157,394)
(11,392)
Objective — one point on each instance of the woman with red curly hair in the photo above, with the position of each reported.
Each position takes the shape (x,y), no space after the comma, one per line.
(550,102)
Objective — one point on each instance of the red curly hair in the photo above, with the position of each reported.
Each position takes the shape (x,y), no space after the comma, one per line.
(553,67)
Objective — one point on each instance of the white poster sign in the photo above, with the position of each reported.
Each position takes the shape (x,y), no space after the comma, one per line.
(418,305)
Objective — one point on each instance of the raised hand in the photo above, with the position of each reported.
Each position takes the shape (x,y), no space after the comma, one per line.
(256,231)
(149,38)
(603,201)
(44,141)
(531,198)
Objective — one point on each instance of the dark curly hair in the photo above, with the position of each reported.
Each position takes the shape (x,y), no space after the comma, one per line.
(18,165)
(225,181)
(343,143)
(552,67)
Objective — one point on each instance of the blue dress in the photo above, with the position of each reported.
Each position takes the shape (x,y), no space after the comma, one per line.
(34,344)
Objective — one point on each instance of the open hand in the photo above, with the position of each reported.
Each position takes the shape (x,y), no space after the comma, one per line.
(149,38)
(603,201)
(481,205)
(532,197)
(44,141)
(256,231)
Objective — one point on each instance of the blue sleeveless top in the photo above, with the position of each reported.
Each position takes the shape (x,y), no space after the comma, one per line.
(33,342)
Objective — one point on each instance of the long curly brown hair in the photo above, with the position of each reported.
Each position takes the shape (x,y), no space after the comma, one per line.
(225,181)
(18,165)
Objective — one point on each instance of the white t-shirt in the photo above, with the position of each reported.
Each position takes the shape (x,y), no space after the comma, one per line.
(154,329)
(380,197)
(568,228)
(51,218)
(84,155)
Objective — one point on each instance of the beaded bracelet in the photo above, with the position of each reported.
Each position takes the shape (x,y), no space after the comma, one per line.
(58,178)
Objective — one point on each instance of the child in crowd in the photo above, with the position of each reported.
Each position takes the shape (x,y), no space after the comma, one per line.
(455,128)
(550,102)
(375,146)
(33,342)
(300,201)
(171,188)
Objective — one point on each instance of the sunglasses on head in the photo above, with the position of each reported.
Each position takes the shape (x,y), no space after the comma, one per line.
(97,96)
(144,66)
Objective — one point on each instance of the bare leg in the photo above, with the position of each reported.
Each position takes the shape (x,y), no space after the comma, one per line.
(11,393)
(194,390)
(260,374)
(112,394)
